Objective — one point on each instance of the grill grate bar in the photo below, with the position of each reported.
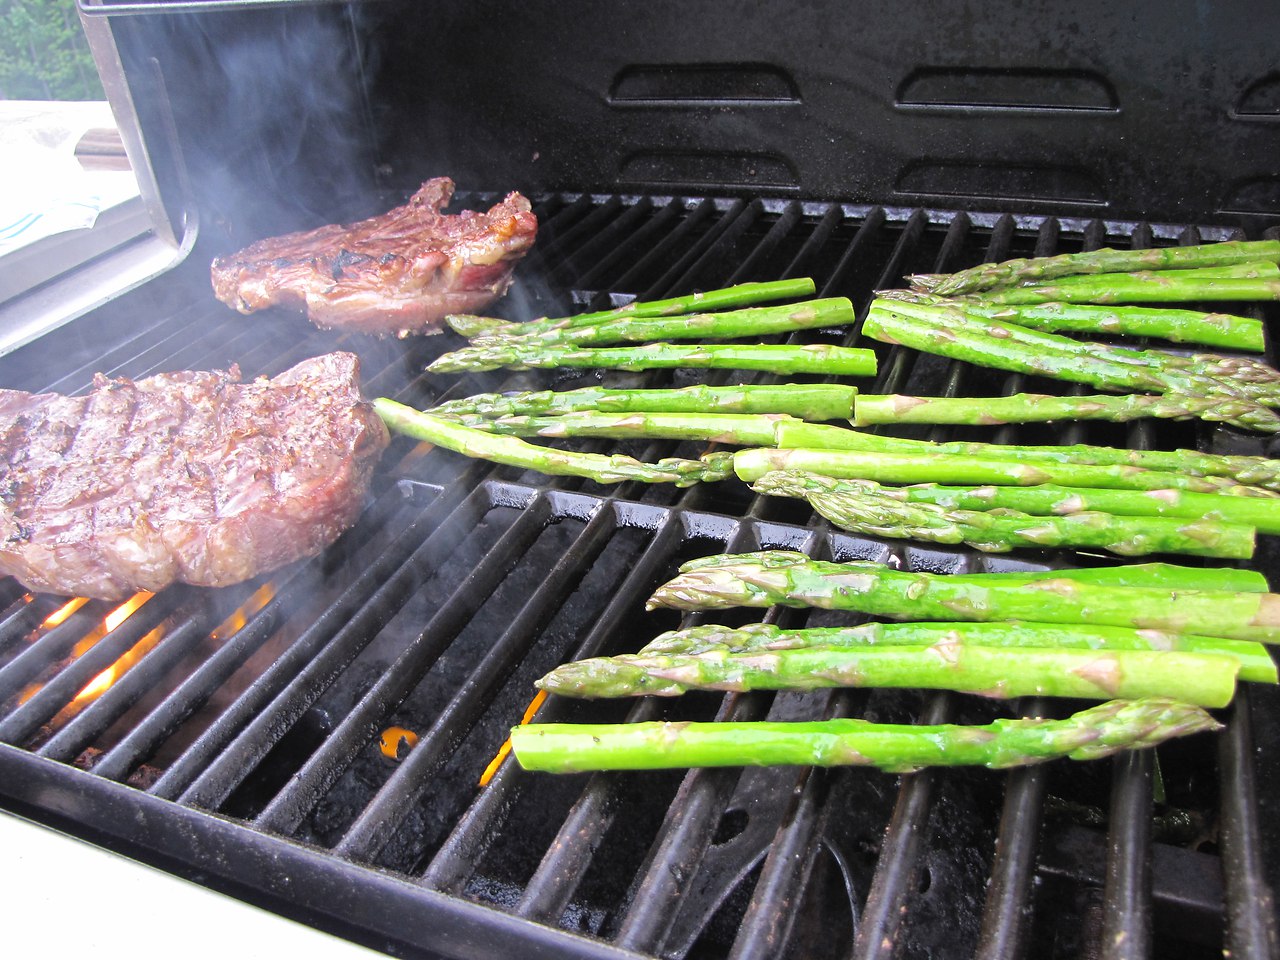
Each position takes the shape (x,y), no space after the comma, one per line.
(53,646)
(750,265)
(886,906)
(322,769)
(376,823)
(69,742)
(565,863)
(453,864)
(58,692)
(688,272)
(1006,918)
(686,834)
(1126,923)
(290,806)
(885,909)
(639,240)
(552,228)
(193,692)
(19,618)
(691,221)
(1251,905)
(213,766)
(608,241)
(788,866)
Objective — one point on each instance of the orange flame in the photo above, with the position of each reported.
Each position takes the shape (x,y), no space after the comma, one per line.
(67,609)
(110,622)
(395,740)
(496,763)
(103,681)
(240,616)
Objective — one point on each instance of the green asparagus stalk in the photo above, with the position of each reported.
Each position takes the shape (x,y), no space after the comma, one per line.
(1261,513)
(991,275)
(895,468)
(473,326)
(1179,326)
(1255,471)
(744,429)
(514,452)
(749,580)
(872,409)
(779,358)
(962,344)
(810,401)
(1207,680)
(744,294)
(1151,370)
(898,748)
(734,324)
(1255,661)
(864,507)
(748,322)
(1164,576)
(1162,287)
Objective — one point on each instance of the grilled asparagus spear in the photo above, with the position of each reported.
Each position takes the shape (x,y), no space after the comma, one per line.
(809,401)
(1223,330)
(1254,659)
(865,507)
(1097,732)
(744,294)
(514,452)
(988,276)
(520,353)
(1205,679)
(792,579)
(1254,471)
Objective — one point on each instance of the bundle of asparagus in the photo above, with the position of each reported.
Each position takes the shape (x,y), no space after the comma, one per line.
(1002,659)
(1065,655)
(1227,389)
(862,506)
(513,452)
(991,276)
(573,341)
(744,294)
(1005,315)
(1245,475)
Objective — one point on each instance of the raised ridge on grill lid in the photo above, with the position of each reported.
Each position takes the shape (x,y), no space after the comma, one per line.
(187,476)
(400,272)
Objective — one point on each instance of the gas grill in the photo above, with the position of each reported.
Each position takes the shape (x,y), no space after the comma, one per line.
(247,738)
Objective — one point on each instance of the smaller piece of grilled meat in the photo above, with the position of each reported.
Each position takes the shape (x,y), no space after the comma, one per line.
(188,476)
(398,273)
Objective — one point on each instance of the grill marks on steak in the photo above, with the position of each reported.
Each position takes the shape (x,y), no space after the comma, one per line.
(188,476)
(398,273)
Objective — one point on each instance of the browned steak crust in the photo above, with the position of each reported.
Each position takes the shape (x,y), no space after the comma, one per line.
(188,476)
(398,273)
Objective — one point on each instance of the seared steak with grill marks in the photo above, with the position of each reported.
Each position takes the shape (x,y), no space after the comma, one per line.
(398,273)
(188,476)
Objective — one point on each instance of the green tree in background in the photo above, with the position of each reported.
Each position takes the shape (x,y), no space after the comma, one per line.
(44,54)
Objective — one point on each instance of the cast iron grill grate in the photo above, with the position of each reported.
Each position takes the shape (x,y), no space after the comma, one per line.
(234,735)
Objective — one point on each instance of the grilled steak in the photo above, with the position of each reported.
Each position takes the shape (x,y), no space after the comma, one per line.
(398,273)
(188,476)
